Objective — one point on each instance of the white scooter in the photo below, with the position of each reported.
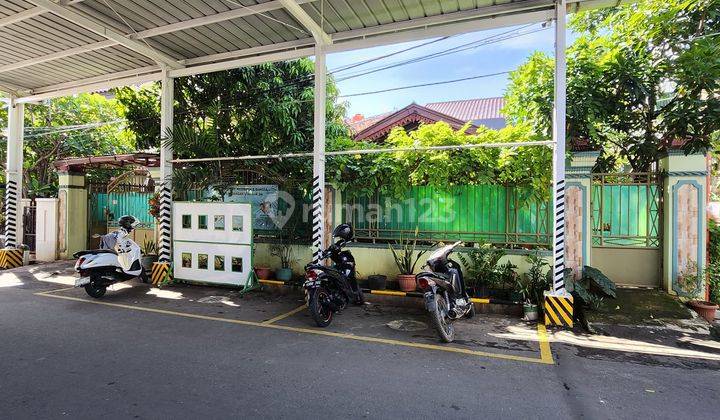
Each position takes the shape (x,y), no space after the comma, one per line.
(117,260)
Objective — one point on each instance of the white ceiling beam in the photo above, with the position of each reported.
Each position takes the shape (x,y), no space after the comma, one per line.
(26,14)
(160,30)
(345,41)
(293,7)
(83,20)
(244,62)
(14,90)
(93,87)
(497,10)
(97,79)
(216,18)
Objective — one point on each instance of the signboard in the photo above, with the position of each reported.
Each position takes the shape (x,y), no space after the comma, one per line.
(262,198)
(212,242)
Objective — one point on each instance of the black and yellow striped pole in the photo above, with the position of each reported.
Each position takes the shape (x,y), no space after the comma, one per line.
(558,303)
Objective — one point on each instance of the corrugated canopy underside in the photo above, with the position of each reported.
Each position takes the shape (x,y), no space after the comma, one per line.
(47,50)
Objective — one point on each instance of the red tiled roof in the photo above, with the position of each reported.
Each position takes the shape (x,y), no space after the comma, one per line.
(412,113)
(358,126)
(470,109)
(463,110)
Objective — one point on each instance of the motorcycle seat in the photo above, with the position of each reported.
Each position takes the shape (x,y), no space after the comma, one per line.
(94,252)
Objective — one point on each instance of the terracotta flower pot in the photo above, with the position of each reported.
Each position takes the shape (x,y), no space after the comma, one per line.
(704,309)
(407,282)
(263,273)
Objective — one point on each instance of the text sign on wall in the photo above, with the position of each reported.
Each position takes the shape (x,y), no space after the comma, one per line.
(212,242)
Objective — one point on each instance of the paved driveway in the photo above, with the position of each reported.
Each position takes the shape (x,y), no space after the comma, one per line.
(190,351)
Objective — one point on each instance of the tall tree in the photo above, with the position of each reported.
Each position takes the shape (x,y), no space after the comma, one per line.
(65,127)
(640,77)
(264,109)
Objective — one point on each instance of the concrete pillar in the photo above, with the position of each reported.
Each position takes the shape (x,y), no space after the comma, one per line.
(14,174)
(684,223)
(166,155)
(559,117)
(73,213)
(578,210)
(318,186)
(46,229)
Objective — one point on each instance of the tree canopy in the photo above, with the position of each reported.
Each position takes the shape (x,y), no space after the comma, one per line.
(640,77)
(393,173)
(264,109)
(67,127)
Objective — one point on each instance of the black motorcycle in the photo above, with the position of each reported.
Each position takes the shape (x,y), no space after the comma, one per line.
(328,289)
(444,289)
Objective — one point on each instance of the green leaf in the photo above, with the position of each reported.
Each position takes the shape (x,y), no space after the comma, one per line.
(599,280)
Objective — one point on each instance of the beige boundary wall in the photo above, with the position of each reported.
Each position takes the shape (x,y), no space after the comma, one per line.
(371,259)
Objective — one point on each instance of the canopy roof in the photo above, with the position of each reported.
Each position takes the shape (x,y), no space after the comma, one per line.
(58,47)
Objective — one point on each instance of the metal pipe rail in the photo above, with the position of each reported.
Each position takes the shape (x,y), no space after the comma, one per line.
(370,151)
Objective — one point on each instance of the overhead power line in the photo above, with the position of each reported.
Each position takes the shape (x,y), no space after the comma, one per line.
(444,82)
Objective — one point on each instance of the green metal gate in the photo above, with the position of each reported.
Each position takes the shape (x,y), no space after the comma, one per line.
(627,227)
(105,208)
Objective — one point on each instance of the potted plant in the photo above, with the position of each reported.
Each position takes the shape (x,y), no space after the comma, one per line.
(284,252)
(263,273)
(704,308)
(532,285)
(377,282)
(149,254)
(524,287)
(406,259)
(482,274)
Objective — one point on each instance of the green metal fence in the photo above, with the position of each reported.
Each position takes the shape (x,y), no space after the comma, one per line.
(474,213)
(626,210)
(104,207)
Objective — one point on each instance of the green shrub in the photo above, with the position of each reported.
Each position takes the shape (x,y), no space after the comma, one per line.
(481,266)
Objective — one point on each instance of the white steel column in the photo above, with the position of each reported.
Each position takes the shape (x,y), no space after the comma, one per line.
(559,150)
(14,174)
(318,197)
(166,155)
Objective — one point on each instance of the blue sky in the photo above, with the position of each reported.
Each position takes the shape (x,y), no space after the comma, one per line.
(493,58)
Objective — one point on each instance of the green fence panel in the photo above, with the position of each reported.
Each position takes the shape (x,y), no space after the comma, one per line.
(487,213)
(119,204)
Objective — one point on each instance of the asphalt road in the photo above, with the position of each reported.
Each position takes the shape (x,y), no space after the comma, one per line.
(69,359)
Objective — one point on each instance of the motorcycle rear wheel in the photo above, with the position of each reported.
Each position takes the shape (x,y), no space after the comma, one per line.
(440,320)
(319,308)
(95,291)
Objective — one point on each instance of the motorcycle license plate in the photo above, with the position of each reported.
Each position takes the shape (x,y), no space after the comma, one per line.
(311,283)
(82,281)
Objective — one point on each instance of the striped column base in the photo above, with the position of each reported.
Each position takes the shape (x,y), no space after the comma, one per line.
(160,273)
(11,258)
(558,310)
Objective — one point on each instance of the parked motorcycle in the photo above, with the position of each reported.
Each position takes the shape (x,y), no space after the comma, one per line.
(117,260)
(328,289)
(444,291)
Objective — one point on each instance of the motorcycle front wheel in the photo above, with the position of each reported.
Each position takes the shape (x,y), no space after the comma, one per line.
(440,320)
(319,305)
